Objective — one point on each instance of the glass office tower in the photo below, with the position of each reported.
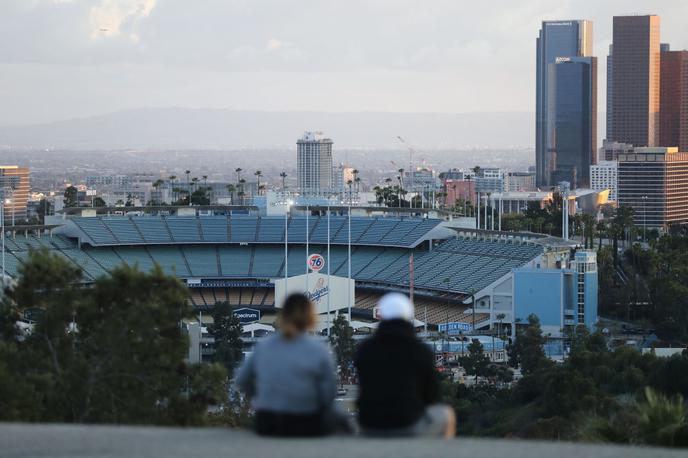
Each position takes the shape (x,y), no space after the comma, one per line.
(572,116)
(557,39)
(635,81)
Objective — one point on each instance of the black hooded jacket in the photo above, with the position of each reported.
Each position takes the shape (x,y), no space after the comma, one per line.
(397,377)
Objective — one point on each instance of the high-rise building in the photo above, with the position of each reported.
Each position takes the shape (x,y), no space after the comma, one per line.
(556,39)
(314,164)
(610,92)
(15,187)
(635,80)
(673,129)
(489,179)
(520,181)
(573,119)
(654,182)
(610,150)
(605,175)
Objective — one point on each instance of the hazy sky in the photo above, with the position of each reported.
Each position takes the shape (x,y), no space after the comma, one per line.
(71,58)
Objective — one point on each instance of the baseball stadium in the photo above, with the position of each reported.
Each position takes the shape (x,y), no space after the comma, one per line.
(455,274)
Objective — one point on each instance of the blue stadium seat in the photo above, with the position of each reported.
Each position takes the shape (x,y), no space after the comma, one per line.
(125,231)
(183,228)
(153,229)
(214,228)
(95,230)
(235,261)
(170,259)
(202,260)
(267,261)
(243,229)
(271,229)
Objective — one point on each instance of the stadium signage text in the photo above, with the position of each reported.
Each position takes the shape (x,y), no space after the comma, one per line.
(319,291)
(316,262)
(452,328)
(246,315)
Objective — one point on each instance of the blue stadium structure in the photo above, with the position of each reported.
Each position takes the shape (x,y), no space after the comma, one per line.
(458,274)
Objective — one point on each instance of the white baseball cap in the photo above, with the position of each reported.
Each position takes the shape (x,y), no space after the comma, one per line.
(395,306)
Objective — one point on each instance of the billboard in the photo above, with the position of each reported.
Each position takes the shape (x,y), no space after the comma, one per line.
(338,291)
(247,315)
(454,328)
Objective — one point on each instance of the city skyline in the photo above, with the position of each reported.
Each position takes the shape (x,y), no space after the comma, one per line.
(144,53)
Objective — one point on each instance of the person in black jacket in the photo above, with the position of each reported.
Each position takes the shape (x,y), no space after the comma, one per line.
(398,386)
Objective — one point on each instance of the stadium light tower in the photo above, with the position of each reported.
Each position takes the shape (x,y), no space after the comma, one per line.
(348,284)
(288,205)
(2,225)
(329,292)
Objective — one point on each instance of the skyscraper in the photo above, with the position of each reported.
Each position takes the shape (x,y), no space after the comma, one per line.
(314,164)
(635,80)
(673,129)
(610,93)
(573,119)
(556,39)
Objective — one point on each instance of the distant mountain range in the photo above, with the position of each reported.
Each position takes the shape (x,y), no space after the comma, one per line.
(184,128)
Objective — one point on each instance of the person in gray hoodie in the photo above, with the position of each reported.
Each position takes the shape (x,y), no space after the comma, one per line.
(291,377)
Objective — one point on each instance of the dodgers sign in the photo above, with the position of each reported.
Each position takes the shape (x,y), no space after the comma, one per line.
(454,327)
(316,262)
(246,315)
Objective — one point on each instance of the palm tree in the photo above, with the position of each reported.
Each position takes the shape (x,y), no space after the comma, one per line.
(379,196)
(238,172)
(601,228)
(231,189)
(258,174)
(357,180)
(172,180)
(387,191)
(283,175)
(242,193)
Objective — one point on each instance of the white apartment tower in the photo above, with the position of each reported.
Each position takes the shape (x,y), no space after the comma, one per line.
(314,164)
(605,175)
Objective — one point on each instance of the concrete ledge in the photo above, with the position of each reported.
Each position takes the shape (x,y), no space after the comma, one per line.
(23,440)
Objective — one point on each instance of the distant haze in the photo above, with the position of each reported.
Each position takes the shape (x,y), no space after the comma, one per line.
(180,128)
(66,59)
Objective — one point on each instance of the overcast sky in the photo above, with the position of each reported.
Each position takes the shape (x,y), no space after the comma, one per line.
(71,58)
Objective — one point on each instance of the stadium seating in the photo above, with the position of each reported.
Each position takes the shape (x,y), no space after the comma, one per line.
(387,231)
(235,261)
(267,261)
(184,229)
(202,260)
(245,247)
(124,230)
(154,230)
(171,259)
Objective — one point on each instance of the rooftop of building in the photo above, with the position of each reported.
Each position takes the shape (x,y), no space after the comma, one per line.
(314,136)
(80,441)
